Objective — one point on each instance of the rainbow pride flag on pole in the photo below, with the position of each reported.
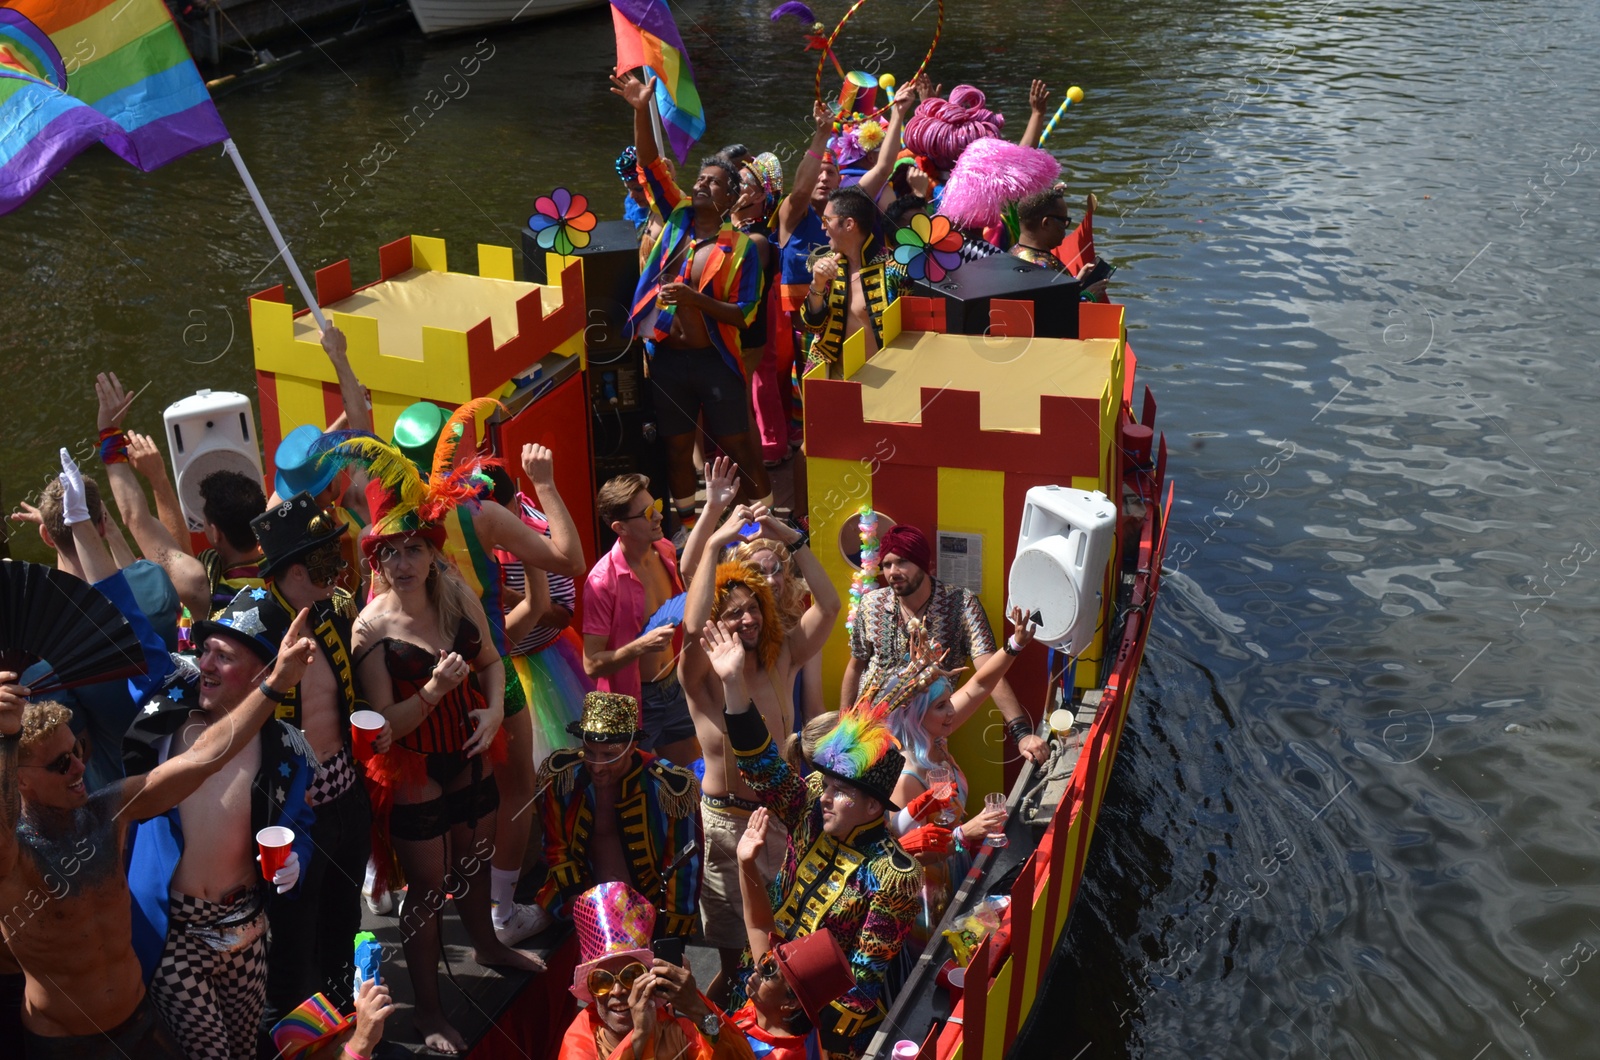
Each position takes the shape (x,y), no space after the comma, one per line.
(647,36)
(78,72)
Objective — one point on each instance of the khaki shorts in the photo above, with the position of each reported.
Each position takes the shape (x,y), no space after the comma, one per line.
(721,904)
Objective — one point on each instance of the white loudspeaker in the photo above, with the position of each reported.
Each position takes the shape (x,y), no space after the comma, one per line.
(1062,552)
(212,430)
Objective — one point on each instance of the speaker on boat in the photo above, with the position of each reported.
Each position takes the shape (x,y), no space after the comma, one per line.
(1062,552)
(968,291)
(610,273)
(212,430)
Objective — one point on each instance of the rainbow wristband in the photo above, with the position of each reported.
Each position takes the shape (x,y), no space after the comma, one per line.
(113,446)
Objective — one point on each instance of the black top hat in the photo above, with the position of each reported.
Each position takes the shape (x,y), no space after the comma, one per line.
(290,530)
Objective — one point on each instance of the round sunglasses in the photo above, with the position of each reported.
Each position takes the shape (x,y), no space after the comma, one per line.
(603,984)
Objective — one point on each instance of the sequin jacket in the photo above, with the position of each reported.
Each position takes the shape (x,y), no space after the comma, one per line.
(880,283)
(863,887)
(657,810)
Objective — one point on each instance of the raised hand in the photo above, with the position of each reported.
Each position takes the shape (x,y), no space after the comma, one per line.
(539,464)
(74,501)
(114,400)
(823,270)
(905,100)
(722,482)
(145,456)
(334,343)
(1039,97)
(636,92)
(821,117)
(724,650)
(1022,627)
(295,653)
(754,839)
(13,697)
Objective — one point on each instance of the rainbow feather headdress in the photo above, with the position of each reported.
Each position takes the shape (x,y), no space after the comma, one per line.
(402,501)
(861,751)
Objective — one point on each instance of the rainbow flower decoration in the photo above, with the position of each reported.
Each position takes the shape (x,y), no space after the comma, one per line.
(928,248)
(562,221)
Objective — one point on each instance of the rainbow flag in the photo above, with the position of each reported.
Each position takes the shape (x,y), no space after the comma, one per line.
(78,72)
(647,36)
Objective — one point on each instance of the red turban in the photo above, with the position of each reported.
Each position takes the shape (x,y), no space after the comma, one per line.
(907,542)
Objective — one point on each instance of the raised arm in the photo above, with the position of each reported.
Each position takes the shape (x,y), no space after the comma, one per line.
(1038,107)
(703,591)
(758,921)
(145,456)
(358,414)
(177,778)
(815,626)
(792,210)
(538,463)
(638,95)
(970,696)
(722,485)
(905,101)
(499,527)
(155,541)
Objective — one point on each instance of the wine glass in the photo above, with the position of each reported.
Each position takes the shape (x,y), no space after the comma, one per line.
(995,802)
(942,782)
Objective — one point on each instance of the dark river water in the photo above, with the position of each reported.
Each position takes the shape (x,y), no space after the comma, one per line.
(1355,813)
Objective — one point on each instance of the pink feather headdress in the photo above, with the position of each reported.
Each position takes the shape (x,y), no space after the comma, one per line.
(991,173)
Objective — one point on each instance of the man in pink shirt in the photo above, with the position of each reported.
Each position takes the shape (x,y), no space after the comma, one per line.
(624,589)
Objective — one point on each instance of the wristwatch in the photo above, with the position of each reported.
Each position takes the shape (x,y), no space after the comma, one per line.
(711,1025)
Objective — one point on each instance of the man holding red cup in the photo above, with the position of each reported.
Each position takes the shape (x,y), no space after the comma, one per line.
(198,881)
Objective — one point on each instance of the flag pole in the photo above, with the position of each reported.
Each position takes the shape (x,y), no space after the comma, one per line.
(232,151)
(657,127)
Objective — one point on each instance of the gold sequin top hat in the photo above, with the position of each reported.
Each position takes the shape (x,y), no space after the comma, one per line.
(608,718)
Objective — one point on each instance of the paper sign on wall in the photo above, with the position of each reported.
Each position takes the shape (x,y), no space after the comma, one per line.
(961,560)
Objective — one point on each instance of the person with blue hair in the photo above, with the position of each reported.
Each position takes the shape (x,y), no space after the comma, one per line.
(931,824)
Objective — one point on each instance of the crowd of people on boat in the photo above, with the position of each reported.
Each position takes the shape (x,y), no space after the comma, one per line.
(394,680)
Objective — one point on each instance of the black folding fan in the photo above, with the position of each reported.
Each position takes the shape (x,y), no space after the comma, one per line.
(67,623)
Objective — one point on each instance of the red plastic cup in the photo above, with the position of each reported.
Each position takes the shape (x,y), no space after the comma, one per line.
(275,845)
(364,728)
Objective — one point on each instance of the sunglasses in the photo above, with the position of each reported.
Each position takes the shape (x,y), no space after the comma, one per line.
(1063,218)
(767,966)
(603,984)
(60,766)
(654,509)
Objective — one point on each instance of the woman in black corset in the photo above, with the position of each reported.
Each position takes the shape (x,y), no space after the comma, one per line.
(427,663)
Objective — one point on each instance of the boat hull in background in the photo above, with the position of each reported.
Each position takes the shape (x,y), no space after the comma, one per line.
(439,17)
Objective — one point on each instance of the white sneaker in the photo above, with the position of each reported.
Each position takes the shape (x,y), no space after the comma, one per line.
(526,921)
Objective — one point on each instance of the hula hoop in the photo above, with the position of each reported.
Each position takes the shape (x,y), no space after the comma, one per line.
(827,50)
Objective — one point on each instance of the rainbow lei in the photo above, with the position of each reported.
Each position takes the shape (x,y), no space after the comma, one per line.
(866,578)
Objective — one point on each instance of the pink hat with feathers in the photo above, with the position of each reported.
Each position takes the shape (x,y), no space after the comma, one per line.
(991,173)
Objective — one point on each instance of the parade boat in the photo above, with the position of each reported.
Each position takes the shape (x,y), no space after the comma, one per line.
(999,411)
(440,17)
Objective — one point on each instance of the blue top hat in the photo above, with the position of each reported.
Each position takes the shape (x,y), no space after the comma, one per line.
(298,470)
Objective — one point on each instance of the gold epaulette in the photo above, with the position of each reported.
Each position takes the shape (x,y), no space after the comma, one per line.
(677,788)
(344,605)
(560,769)
(897,869)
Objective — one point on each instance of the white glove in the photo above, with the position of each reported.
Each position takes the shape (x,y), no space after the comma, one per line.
(74,506)
(285,878)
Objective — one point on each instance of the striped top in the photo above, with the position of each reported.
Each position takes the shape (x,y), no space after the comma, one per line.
(447,726)
(563,590)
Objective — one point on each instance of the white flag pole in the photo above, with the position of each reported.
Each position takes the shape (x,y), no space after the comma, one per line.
(232,151)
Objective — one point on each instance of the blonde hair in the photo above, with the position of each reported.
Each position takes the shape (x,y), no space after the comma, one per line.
(452,598)
(800,746)
(791,601)
(39,720)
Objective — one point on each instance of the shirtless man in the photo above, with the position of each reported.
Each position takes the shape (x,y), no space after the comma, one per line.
(737,597)
(62,883)
(853,285)
(194,872)
(698,290)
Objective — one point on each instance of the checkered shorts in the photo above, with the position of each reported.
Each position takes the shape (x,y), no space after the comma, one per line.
(212,980)
(334,779)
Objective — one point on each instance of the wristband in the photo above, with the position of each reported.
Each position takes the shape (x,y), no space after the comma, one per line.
(1017,728)
(273,694)
(802,541)
(813,154)
(351,1053)
(1012,647)
(113,446)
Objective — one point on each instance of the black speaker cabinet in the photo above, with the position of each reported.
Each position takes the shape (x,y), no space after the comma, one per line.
(610,273)
(968,291)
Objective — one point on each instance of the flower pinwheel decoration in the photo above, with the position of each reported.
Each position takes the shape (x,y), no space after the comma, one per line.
(928,248)
(562,221)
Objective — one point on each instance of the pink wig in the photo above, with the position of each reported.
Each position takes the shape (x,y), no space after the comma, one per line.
(990,174)
(942,128)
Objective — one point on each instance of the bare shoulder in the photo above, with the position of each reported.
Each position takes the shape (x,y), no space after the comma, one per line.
(374,623)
